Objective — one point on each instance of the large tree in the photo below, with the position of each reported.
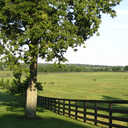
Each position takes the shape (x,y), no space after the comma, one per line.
(30,29)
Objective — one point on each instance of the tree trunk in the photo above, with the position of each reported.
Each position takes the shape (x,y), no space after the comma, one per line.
(31,94)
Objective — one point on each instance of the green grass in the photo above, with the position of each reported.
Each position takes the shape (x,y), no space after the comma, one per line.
(46,120)
(98,86)
(12,116)
(93,86)
(88,85)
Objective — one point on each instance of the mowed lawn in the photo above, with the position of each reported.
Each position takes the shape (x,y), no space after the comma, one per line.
(87,85)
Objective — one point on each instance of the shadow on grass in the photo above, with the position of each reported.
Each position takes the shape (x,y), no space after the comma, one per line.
(116,106)
(106,105)
(18,121)
(13,103)
(10,102)
(110,98)
(12,115)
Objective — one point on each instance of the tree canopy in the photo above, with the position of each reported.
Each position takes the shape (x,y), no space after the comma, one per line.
(47,28)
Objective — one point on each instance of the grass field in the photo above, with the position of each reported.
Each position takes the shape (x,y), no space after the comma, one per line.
(88,85)
(12,116)
(99,85)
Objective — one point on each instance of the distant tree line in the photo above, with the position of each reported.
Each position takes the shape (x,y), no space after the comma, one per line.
(74,68)
(80,68)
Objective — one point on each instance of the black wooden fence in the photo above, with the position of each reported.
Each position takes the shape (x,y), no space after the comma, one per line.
(106,113)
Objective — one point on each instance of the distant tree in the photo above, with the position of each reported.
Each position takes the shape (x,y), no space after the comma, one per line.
(47,28)
(116,68)
(126,68)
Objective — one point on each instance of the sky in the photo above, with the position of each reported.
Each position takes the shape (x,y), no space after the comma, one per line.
(111,47)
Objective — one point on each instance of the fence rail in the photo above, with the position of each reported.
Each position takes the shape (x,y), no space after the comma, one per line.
(108,113)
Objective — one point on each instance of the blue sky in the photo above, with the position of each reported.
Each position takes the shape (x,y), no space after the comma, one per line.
(111,47)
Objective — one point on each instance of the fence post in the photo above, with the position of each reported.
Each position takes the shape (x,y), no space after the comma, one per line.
(69,108)
(39,101)
(85,109)
(64,107)
(76,110)
(58,107)
(45,102)
(55,105)
(110,115)
(50,103)
(95,113)
(42,101)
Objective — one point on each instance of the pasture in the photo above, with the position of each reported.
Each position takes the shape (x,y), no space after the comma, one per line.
(87,85)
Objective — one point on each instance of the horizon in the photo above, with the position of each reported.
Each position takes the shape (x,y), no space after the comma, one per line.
(84,64)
